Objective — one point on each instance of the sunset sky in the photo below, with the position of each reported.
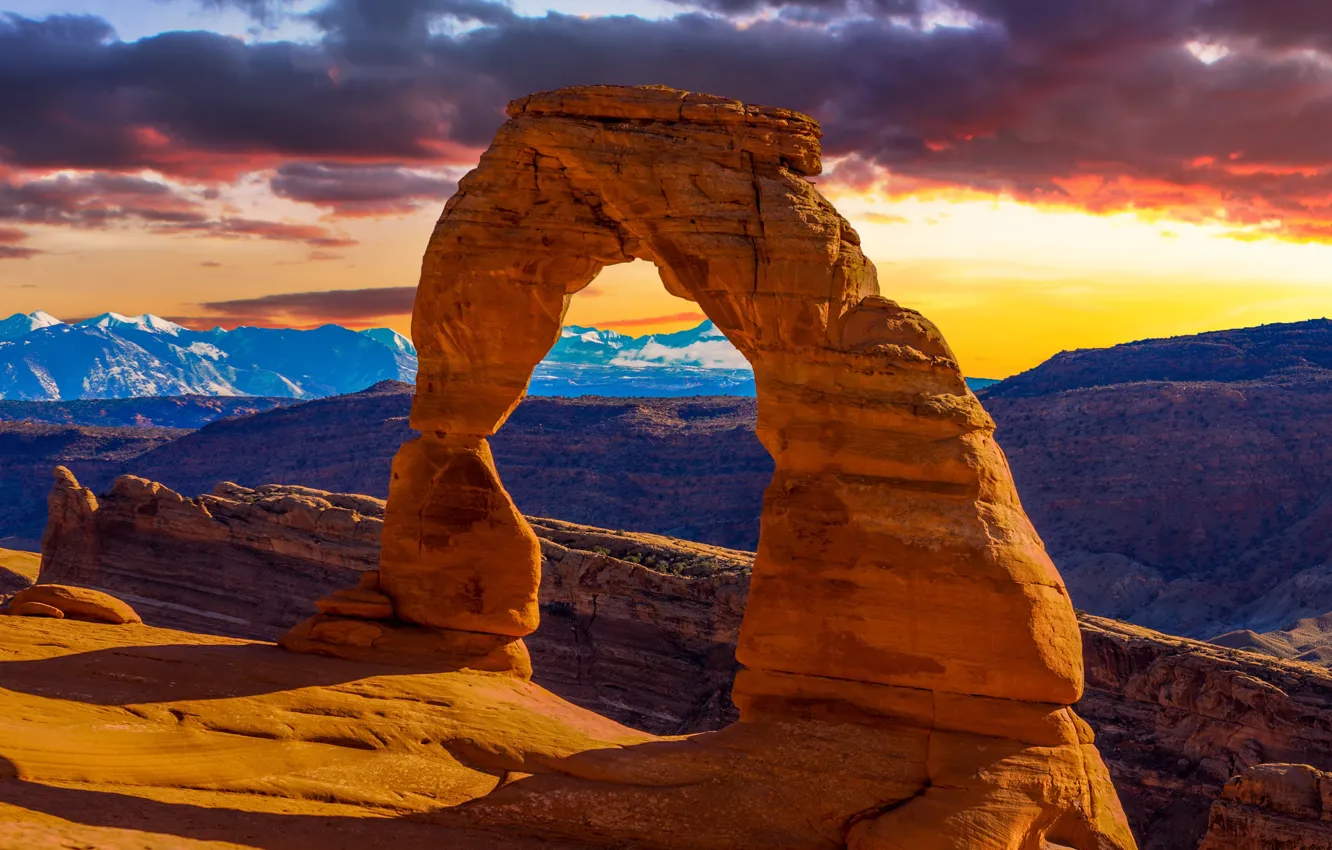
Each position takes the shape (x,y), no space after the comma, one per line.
(1034,175)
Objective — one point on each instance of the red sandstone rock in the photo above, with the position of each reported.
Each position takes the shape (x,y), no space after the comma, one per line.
(36,609)
(80,603)
(1273,807)
(897,573)
(366,604)
(642,629)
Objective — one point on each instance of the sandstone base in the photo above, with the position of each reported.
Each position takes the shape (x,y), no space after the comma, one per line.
(210,738)
(408,645)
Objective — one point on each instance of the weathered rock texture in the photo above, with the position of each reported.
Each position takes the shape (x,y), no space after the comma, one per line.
(642,629)
(1177,718)
(237,562)
(897,575)
(1273,807)
(78,603)
(638,627)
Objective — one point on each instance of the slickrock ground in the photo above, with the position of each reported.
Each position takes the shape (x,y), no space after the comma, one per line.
(17,570)
(135,737)
(221,740)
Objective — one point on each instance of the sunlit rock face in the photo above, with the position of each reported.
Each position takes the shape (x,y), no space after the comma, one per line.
(910,651)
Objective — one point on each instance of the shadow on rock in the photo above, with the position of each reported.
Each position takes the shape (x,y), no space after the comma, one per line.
(262,830)
(135,675)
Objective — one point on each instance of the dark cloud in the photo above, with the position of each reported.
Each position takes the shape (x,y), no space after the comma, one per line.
(360,190)
(101,199)
(211,264)
(1089,103)
(95,200)
(344,305)
(827,9)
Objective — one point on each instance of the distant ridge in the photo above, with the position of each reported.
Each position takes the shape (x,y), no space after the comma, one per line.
(114,356)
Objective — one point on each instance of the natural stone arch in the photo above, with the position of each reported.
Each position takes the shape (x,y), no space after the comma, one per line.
(897,572)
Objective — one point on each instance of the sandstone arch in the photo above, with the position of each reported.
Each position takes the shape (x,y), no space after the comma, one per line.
(897,573)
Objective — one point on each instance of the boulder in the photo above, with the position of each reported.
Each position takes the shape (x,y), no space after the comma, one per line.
(78,603)
(36,609)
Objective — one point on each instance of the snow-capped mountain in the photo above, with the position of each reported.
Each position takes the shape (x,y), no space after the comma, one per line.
(20,325)
(115,356)
(590,361)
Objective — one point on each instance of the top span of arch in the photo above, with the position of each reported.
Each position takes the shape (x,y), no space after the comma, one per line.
(780,136)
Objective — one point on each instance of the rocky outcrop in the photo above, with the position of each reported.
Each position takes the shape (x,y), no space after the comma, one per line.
(897,579)
(77,603)
(237,562)
(34,609)
(1273,807)
(1177,718)
(639,627)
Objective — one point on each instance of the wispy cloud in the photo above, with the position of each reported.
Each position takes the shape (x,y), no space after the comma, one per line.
(651,320)
(349,306)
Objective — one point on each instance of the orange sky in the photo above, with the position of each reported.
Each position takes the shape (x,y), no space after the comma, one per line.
(1010,284)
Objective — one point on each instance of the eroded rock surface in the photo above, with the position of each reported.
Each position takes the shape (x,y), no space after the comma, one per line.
(237,562)
(897,579)
(1273,807)
(639,627)
(1177,718)
(78,603)
(642,629)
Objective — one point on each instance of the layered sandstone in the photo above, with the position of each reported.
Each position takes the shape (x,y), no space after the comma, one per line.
(642,629)
(1177,719)
(1273,807)
(639,627)
(237,562)
(897,579)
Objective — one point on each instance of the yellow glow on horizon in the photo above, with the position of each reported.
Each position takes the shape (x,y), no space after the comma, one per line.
(1009,284)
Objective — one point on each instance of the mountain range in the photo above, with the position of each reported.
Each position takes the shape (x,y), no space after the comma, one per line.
(116,357)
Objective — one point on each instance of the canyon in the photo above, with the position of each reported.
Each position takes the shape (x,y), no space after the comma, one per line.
(1192,502)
